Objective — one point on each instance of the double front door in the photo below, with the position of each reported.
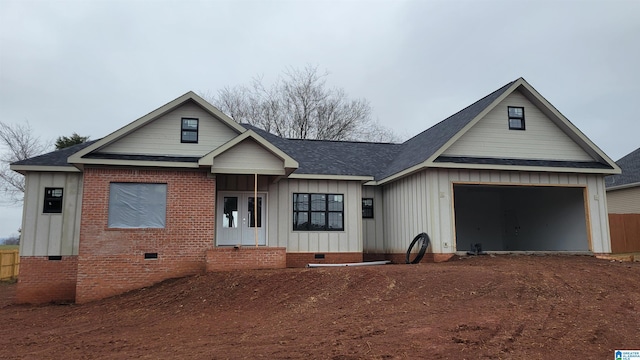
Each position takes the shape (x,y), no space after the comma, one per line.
(239,215)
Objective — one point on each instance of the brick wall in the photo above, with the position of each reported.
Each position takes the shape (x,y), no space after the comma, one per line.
(246,257)
(42,280)
(112,261)
(302,259)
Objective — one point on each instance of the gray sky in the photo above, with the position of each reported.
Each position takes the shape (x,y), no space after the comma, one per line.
(93,66)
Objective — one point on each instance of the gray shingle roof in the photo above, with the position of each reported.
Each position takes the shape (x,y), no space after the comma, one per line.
(630,165)
(334,157)
(54,158)
(379,160)
(419,148)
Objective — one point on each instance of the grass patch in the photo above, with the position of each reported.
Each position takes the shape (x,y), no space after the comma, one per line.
(9,247)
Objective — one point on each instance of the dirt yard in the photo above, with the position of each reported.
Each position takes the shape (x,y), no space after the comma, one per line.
(504,307)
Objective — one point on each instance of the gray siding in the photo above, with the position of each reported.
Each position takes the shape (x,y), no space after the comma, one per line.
(373,229)
(162,136)
(542,139)
(624,201)
(280,215)
(424,202)
(51,234)
(248,157)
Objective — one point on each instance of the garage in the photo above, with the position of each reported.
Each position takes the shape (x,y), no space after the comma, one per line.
(520,218)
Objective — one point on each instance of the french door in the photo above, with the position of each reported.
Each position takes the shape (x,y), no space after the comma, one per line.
(238,217)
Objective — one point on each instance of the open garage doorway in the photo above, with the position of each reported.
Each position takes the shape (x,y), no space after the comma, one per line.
(520,218)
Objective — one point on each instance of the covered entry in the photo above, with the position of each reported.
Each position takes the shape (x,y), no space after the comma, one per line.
(520,218)
(241,219)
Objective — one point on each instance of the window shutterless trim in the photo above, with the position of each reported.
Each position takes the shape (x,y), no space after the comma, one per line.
(516,118)
(186,129)
(367,208)
(304,208)
(52,200)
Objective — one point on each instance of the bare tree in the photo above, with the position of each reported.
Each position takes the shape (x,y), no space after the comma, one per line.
(300,105)
(17,142)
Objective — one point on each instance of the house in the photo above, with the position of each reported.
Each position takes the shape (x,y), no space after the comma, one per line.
(185,189)
(623,203)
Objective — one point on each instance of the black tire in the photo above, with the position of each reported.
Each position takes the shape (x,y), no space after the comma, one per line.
(424,241)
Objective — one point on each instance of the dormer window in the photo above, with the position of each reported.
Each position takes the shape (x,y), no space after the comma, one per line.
(189,132)
(516,118)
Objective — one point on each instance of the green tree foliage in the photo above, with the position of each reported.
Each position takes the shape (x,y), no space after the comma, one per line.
(66,141)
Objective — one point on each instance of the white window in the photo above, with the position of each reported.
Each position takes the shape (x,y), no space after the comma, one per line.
(137,205)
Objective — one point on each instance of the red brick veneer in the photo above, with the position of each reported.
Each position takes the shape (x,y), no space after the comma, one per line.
(42,280)
(302,259)
(246,257)
(111,261)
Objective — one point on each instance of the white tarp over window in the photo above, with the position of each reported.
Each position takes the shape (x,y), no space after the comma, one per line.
(137,205)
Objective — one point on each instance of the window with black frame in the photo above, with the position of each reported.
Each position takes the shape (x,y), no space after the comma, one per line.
(52,201)
(516,117)
(189,130)
(367,208)
(318,212)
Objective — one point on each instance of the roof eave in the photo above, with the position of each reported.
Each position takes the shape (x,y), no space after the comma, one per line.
(23,169)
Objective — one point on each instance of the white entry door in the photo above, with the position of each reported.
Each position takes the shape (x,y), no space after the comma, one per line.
(236,223)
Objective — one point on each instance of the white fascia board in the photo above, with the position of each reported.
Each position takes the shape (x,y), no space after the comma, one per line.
(475,120)
(288,161)
(331,177)
(77,158)
(215,170)
(140,163)
(521,168)
(42,168)
(622,187)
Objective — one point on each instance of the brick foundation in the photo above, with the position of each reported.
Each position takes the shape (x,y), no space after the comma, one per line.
(42,280)
(302,259)
(246,257)
(401,258)
(112,261)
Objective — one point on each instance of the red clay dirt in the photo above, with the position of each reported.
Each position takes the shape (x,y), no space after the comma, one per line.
(502,307)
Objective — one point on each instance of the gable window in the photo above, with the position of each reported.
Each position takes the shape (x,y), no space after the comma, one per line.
(516,117)
(367,208)
(137,205)
(318,212)
(189,132)
(52,201)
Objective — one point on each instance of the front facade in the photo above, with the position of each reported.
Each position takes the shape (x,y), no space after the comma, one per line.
(185,189)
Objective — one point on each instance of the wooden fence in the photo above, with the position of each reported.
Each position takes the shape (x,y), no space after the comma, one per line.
(9,264)
(625,233)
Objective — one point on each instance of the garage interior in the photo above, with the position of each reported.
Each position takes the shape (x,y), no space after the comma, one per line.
(520,218)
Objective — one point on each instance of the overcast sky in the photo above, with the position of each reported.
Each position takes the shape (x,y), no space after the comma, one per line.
(91,67)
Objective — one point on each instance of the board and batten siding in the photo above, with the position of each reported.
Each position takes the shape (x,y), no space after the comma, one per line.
(280,217)
(248,157)
(624,201)
(162,135)
(373,229)
(542,139)
(51,234)
(423,202)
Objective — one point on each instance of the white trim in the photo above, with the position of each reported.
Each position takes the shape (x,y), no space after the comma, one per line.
(330,177)
(554,115)
(551,169)
(625,186)
(208,159)
(43,168)
(144,163)
(215,170)
(77,158)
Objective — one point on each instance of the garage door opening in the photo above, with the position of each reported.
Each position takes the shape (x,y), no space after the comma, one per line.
(520,218)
